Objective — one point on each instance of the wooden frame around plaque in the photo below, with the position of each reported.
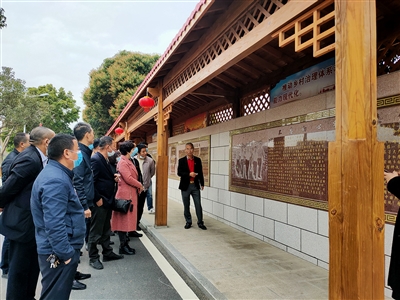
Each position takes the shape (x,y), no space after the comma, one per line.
(201,149)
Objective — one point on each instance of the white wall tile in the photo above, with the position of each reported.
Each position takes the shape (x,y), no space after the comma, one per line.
(323,264)
(223,167)
(303,256)
(215,140)
(204,192)
(275,244)
(206,204)
(217,181)
(303,217)
(387,264)
(245,219)
(275,210)
(224,139)
(287,235)
(254,205)
(218,153)
(388,238)
(323,223)
(227,153)
(212,193)
(214,167)
(226,186)
(218,209)
(264,226)
(224,197)
(315,245)
(238,200)
(230,214)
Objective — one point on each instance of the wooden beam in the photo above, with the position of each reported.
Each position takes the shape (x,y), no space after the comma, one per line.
(254,40)
(355,180)
(160,218)
(234,11)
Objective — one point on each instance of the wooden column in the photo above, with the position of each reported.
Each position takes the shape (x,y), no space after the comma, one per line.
(356,206)
(162,161)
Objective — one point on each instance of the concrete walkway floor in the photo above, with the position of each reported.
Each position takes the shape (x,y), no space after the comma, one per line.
(226,263)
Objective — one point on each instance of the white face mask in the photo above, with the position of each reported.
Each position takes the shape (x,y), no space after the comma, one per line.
(110,153)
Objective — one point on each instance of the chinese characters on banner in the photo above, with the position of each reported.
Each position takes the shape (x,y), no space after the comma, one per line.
(315,80)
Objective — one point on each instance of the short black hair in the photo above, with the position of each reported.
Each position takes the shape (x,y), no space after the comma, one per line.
(96,143)
(81,129)
(126,147)
(105,141)
(190,144)
(144,143)
(140,147)
(20,137)
(58,144)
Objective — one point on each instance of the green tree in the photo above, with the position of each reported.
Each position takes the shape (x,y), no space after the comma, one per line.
(17,109)
(3,18)
(112,85)
(61,109)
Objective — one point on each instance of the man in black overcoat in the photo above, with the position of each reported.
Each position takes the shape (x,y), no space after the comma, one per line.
(104,192)
(16,221)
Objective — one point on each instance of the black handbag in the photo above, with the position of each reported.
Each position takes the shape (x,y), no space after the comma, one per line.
(123,206)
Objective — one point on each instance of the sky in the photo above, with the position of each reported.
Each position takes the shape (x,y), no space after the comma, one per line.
(60,42)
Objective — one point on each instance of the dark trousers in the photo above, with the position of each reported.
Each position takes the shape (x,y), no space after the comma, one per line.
(57,282)
(141,202)
(122,238)
(4,255)
(100,231)
(87,222)
(150,196)
(195,192)
(24,270)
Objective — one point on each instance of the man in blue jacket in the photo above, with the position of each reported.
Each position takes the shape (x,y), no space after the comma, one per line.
(59,219)
(83,183)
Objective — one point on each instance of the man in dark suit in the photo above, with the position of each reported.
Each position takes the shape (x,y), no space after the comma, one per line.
(104,191)
(192,180)
(21,142)
(16,221)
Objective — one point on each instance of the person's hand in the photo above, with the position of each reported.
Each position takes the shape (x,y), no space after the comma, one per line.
(1,209)
(192,174)
(116,177)
(67,261)
(88,213)
(202,187)
(141,189)
(389,175)
(100,202)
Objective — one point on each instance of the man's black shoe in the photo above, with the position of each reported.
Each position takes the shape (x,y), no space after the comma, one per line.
(96,264)
(202,226)
(188,225)
(81,276)
(135,234)
(76,285)
(112,256)
(138,228)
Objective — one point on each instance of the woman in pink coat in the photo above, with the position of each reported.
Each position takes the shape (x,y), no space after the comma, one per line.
(128,189)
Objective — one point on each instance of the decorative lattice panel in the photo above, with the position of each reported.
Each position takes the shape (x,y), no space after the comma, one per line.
(313,29)
(255,103)
(258,13)
(389,55)
(220,115)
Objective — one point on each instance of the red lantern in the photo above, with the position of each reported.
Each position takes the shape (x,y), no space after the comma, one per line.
(146,102)
(119,130)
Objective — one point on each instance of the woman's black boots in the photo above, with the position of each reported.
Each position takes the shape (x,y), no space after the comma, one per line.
(125,249)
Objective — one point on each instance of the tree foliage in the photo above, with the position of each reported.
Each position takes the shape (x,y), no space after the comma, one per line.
(3,18)
(60,107)
(112,85)
(17,109)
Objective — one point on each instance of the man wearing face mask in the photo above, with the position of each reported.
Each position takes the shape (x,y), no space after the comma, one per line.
(16,220)
(83,183)
(104,190)
(59,219)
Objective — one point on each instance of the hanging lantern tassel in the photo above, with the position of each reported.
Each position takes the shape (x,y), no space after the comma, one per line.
(146,102)
(119,130)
